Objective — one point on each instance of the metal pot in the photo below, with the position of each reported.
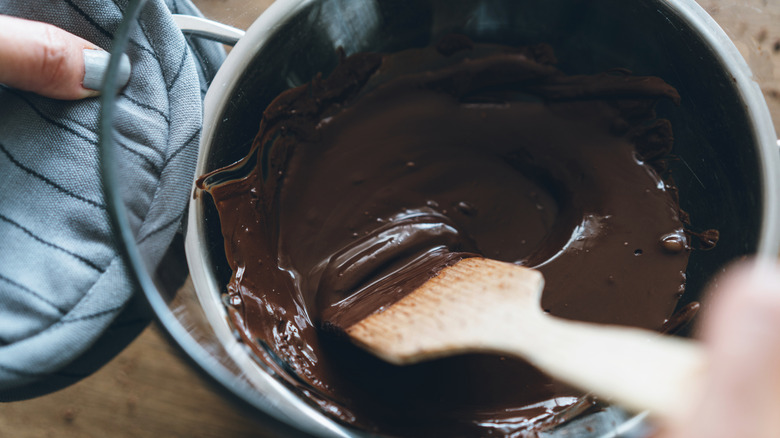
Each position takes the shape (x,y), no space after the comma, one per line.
(727,168)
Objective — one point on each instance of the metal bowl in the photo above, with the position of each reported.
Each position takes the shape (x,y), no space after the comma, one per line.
(726,167)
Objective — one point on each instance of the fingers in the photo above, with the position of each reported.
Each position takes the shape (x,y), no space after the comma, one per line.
(49,61)
(742,336)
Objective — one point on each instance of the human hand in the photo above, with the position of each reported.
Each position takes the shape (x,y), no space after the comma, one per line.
(741,332)
(49,61)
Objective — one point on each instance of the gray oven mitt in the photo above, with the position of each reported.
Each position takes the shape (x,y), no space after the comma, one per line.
(64,287)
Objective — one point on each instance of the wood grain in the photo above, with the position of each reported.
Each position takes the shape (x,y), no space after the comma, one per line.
(146,391)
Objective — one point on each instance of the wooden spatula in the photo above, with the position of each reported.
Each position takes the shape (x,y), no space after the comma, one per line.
(481,305)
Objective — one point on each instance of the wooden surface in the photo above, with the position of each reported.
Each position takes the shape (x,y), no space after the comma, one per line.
(149,391)
(146,391)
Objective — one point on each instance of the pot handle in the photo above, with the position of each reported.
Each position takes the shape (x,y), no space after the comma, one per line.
(210,29)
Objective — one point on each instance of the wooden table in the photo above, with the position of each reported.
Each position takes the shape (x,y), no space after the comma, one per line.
(149,391)
(146,391)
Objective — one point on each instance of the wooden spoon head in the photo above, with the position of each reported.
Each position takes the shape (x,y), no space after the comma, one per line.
(451,312)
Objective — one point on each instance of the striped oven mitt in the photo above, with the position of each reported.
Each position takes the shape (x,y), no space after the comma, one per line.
(64,289)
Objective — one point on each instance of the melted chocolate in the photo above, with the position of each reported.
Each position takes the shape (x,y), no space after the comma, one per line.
(362,186)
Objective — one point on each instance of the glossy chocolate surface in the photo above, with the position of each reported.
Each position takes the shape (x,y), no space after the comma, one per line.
(361,186)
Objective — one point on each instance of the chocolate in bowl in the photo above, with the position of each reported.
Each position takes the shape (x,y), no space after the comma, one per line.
(361,186)
(250,99)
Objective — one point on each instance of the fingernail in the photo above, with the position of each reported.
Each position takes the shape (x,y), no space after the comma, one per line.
(95,66)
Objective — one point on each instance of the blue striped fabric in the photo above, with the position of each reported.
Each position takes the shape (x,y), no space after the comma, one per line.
(64,289)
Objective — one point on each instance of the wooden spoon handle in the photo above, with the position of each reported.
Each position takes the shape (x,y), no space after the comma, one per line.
(638,369)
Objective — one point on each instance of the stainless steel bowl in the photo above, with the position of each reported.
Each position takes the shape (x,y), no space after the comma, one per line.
(726,171)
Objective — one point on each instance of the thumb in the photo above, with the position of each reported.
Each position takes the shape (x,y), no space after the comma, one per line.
(742,334)
(49,61)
